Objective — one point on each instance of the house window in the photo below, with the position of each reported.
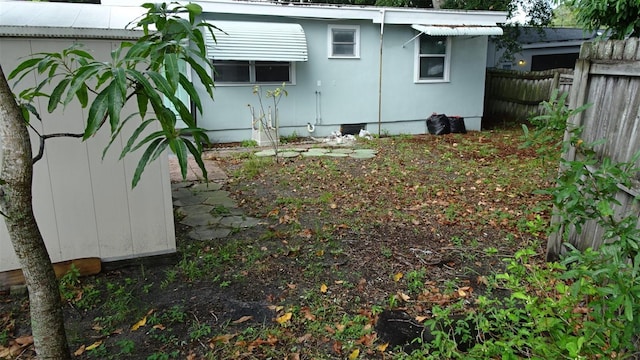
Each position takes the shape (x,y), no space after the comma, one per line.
(252,72)
(344,41)
(432,58)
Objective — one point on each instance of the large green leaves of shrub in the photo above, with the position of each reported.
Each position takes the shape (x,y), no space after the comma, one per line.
(147,70)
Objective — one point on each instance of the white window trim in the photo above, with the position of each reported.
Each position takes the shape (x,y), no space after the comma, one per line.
(356,46)
(292,78)
(416,65)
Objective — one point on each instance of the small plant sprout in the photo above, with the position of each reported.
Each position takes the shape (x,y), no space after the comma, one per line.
(264,118)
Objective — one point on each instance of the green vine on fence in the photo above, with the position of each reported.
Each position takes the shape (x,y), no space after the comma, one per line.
(587,306)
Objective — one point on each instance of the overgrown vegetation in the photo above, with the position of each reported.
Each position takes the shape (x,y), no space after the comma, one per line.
(448,229)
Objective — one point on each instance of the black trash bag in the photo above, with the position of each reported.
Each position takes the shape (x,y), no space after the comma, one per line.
(438,124)
(456,123)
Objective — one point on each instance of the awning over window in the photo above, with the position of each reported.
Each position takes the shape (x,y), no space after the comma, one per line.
(458,30)
(248,40)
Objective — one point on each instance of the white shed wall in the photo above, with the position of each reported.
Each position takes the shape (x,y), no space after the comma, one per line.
(85,205)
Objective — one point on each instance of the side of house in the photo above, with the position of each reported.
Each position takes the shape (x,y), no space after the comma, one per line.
(382,69)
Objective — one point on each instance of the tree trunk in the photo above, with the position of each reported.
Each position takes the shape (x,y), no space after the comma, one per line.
(47,321)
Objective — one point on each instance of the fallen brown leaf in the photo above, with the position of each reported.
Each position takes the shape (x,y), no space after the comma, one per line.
(78,352)
(243,319)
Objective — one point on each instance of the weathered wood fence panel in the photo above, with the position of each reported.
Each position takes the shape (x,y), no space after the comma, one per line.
(516,96)
(607,75)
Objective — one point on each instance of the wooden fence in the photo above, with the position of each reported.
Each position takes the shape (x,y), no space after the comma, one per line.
(607,75)
(516,96)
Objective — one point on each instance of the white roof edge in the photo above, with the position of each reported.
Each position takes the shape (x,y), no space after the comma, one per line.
(458,30)
(73,19)
(76,33)
(392,15)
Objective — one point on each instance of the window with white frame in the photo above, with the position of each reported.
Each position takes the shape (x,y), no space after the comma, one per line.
(252,72)
(344,41)
(432,58)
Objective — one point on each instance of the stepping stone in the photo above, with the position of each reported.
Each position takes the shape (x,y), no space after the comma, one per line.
(219,199)
(369,151)
(194,210)
(189,200)
(204,187)
(239,221)
(313,153)
(265,153)
(362,155)
(201,219)
(179,185)
(288,154)
(342,151)
(208,232)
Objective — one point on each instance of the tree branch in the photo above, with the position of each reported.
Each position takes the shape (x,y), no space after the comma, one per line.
(43,138)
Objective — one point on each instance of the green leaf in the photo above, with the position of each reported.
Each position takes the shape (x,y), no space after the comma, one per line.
(203,75)
(171,70)
(83,96)
(149,137)
(628,308)
(180,150)
(147,88)
(162,84)
(79,78)
(114,135)
(144,160)
(197,155)
(25,68)
(116,102)
(56,94)
(142,101)
(97,113)
(81,53)
(187,85)
(134,137)
(120,78)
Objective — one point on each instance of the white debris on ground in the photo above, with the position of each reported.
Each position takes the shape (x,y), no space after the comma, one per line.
(337,139)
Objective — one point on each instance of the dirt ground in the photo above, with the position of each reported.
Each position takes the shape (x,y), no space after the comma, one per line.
(424,223)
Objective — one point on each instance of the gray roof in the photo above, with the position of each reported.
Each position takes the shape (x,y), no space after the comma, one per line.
(40,19)
(530,35)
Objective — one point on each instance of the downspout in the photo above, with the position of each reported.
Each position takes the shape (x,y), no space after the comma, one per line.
(382,13)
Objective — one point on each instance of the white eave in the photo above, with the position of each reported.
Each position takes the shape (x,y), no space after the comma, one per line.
(448,30)
(109,20)
(388,15)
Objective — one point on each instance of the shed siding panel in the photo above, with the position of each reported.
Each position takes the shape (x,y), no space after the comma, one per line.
(85,205)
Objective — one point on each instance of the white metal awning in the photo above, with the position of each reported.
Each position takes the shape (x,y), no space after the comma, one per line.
(249,40)
(458,30)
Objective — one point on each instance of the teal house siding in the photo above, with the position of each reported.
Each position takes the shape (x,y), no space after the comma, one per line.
(377,88)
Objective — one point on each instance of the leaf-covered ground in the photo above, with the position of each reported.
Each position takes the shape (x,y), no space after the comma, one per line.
(426,222)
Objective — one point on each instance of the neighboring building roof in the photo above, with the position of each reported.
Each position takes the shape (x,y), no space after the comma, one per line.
(531,37)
